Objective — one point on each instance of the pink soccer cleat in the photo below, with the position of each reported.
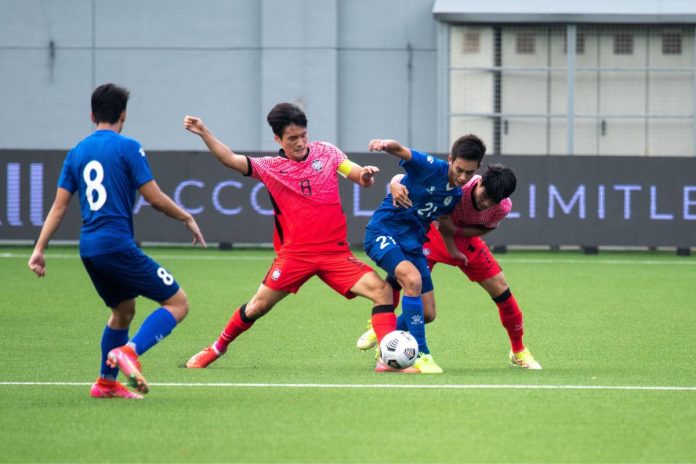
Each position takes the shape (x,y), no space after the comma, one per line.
(127,361)
(103,388)
(381,367)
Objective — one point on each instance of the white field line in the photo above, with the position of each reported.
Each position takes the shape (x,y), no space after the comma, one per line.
(268,257)
(378,386)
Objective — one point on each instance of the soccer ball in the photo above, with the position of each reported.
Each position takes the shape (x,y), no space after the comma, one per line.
(398,349)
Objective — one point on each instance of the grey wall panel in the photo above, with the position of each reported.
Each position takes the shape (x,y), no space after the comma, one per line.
(372,97)
(219,86)
(229,61)
(44,103)
(33,23)
(177,23)
(424,101)
(367,24)
(299,24)
(302,76)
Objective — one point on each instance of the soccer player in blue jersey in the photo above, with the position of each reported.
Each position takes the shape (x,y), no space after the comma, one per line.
(106,170)
(395,235)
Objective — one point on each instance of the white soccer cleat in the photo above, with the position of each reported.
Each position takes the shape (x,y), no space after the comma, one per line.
(524,359)
(368,339)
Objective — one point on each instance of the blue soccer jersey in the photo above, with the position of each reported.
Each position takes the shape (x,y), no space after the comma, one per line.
(106,169)
(428,186)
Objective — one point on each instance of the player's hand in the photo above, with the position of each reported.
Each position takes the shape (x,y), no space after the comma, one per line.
(399,194)
(367,175)
(446,224)
(456,254)
(383,145)
(197,235)
(37,263)
(194,124)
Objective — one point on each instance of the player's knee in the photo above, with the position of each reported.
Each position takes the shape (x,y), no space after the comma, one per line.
(412,284)
(429,317)
(178,305)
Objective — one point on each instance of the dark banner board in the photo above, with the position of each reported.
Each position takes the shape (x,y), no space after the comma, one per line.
(560,200)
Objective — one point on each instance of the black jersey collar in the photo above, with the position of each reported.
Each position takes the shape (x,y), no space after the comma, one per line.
(281,152)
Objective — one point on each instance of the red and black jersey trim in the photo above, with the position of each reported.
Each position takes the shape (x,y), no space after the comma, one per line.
(276,221)
(249,168)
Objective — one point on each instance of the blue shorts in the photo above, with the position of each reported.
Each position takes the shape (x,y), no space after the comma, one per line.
(123,275)
(386,252)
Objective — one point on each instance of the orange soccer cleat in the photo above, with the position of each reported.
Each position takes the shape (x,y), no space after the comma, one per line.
(203,358)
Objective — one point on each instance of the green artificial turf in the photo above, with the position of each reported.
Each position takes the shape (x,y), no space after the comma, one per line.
(606,328)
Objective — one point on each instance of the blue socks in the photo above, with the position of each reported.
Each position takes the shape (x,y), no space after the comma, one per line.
(158,325)
(111,338)
(412,317)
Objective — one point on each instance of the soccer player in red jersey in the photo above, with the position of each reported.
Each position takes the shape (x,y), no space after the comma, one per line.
(484,204)
(303,184)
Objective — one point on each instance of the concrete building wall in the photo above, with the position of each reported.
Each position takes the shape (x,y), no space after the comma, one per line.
(360,68)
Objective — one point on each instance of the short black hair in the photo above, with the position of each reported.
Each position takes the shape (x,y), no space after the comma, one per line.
(499,181)
(108,102)
(283,115)
(469,147)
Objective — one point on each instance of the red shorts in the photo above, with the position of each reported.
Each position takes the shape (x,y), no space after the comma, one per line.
(482,264)
(340,271)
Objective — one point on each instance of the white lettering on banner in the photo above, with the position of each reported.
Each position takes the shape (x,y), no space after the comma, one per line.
(601,205)
(216,198)
(579,199)
(36,214)
(255,202)
(180,188)
(139,203)
(688,202)
(357,210)
(555,197)
(654,215)
(627,197)
(13,196)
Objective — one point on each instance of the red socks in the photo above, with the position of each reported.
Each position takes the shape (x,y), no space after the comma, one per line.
(237,325)
(383,323)
(511,318)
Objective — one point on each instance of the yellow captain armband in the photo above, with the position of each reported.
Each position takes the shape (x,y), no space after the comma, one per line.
(345,167)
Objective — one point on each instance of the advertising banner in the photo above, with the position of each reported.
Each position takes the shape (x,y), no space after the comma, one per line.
(560,200)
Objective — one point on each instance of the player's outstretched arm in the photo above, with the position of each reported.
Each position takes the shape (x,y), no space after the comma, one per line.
(37,261)
(390,146)
(161,202)
(221,151)
(399,192)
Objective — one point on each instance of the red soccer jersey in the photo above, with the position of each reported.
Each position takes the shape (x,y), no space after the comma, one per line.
(309,217)
(466,214)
